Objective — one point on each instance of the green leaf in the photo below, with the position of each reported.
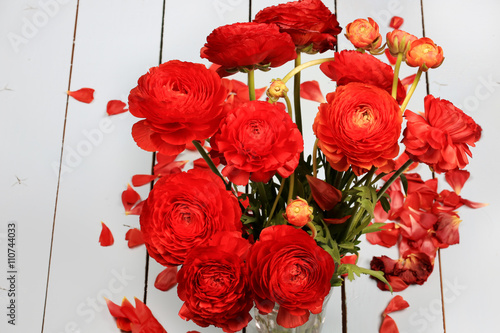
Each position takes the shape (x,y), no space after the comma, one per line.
(384,201)
(355,269)
(335,252)
(372,228)
(404,181)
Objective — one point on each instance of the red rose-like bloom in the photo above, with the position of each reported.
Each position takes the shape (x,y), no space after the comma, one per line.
(364,34)
(425,54)
(359,127)
(255,141)
(441,137)
(288,267)
(248,45)
(213,283)
(184,210)
(311,24)
(181,102)
(354,66)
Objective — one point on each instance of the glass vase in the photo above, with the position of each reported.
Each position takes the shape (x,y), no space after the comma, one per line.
(267,323)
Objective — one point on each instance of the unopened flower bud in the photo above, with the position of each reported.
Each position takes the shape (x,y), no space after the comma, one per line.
(364,34)
(399,41)
(423,53)
(298,212)
(277,90)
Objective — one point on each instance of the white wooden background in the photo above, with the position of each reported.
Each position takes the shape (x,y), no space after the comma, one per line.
(66,163)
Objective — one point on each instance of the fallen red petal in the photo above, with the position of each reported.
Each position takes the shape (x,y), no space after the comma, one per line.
(457,179)
(392,59)
(325,195)
(388,326)
(140,180)
(116,107)
(396,22)
(311,90)
(137,210)
(397,303)
(336,221)
(134,238)
(129,198)
(167,279)
(84,95)
(408,80)
(106,237)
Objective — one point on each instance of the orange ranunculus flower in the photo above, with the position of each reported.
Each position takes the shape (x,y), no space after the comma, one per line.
(441,136)
(298,212)
(359,127)
(364,34)
(425,54)
(399,41)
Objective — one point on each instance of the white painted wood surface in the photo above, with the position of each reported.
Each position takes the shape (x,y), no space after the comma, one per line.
(63,273)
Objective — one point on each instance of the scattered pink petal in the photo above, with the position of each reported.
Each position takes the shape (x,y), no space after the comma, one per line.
(311,90)
(396,22)
(116,107)
(84,95)
(106,237)
(134,238)
(167,279)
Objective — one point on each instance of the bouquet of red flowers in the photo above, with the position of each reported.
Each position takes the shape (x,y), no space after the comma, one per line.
(255,222)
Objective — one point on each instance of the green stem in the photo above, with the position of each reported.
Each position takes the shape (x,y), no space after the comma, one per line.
(315,158)
(275,203)
(411,91)
(303,66)
(288,105)
(296,95)
(396,75)
(292,185)
(209,161)
(251,84)
(393,178)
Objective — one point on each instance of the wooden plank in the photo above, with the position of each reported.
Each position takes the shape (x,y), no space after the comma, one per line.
(364,299)
(469,77)
(116,42)
(35,49)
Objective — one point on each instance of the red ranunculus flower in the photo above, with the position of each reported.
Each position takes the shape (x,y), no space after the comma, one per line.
(184,210)
(213,283)
(354,66)
(288,267)
(441,137)
(311,24)
(359,127)
(181,102)
(256,140)
(248,46)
